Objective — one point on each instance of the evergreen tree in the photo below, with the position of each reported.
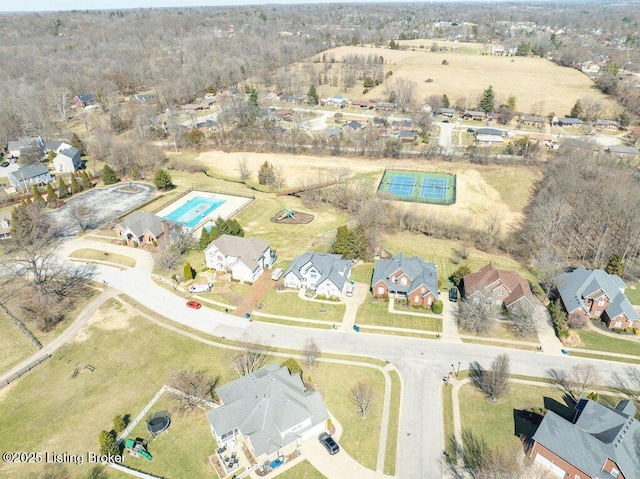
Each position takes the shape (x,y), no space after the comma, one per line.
(85,181)
(189,272)
(77,143)
(624,119)
(253,98)
(266,174)
(133,173)
(511,102)
(162,180)
(615,265)
(63,189)
(51,194)
(341,243)
(577,111)
(445,101)
(75,186)
(37,197)
(487,102)
(205,239)
(313,95)
(109,176)
(225,227)
(351,243)
(119,424)
(107,441)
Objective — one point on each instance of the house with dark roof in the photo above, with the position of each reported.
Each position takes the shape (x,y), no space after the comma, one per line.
(270,410)
(67,161)
(386,106)
(489,131)
(24,177)
(407,135)
(530,120)
(323,273)
(446,112)
(14,147)
(489,140)
(412,279)
(568,121)
(622,150)
(607,124)
(599,443)
(593,293)
(473,115)
(141,228)
(84,99)
(245,258)
(353,125)
(498,287)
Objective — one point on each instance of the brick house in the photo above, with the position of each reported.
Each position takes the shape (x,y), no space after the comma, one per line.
(498,286)
(141,228)
(595,294)
(599,443)
(412,279)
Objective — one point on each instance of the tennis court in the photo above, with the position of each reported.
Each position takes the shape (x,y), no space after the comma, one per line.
(419,186)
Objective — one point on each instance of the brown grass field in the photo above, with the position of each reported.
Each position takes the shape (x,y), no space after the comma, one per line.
(531,80)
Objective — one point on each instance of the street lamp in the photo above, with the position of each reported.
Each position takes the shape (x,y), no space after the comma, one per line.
(453,369)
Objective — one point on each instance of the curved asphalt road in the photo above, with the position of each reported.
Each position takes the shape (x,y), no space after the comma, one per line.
(421,363)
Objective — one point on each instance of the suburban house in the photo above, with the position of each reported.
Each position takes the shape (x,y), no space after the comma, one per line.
(489,131)
(207,102)
(568,121)
(407,135)
(408,278)
(622,150)
(245,258)
(14,147)
(336,100)
(446,112)
(84,99)
(530,120)
(607,124)
(386,106)
(590,68)
(364,104)
(141,228)
(600,443)
(405,124)
(353,125)
(322,272)
(24,177)
(498,286)
(489,140)
(270,410)
(5,228)
(331,132)
(473,115)
(67,161)
(593,293)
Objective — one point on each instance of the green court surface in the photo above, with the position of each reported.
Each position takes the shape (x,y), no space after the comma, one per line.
(419,186)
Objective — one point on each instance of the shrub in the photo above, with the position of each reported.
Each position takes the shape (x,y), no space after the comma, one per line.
(154,243)
(618,330)
(119,424)
(457,275)
(628,330)
(320,296)
(437,306)
(189,272)
(124,242)
(637,331)
(109,176)
(292,365)
(250,283)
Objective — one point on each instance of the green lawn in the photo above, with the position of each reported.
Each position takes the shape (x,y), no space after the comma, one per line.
(289,304)
(133,359)
(441,251)
(503,181)
(303,470)
(495,422)
(362,273)
(633,293)
(14,345)
(394,423)
(375,313)
(602,342)
(96,255)
(447,412)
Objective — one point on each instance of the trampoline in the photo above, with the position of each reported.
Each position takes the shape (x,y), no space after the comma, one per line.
(158,423)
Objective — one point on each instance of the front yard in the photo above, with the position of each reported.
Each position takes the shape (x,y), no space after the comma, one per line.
(603,342)
(374,312)
(289,304)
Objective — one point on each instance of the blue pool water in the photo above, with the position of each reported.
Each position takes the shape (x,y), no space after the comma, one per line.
(194,211)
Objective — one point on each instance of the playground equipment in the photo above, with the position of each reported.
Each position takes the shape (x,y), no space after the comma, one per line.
(158,423)
(137,448)
(286,214)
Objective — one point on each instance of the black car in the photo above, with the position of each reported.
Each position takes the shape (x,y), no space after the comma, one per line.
(328,442)
(453,294)
(471,130)
(5,164)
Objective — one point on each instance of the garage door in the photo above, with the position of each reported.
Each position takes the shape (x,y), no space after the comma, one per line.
(550,466)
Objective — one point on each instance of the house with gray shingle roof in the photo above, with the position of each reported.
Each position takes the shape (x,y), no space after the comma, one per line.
(141,228)
(568,121)
(600,443)
(270,409)
(412,279)
(245,258)
(68,160)
(623,150)
(24,177)
(323,273)
(594,294)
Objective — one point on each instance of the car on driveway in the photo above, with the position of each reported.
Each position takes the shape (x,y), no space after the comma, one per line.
(194,305)
(277,274)
(329,443)
(5,164)
(350,290)
(453,294)
(471,130)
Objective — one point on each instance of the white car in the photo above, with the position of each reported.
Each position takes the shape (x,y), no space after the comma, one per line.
(277,274)
(350,290)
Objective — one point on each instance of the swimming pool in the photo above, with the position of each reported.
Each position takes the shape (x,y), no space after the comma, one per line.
(194,211)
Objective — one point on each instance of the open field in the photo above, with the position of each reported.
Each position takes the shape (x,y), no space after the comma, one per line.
(482,190)
(530,80)
(126,378)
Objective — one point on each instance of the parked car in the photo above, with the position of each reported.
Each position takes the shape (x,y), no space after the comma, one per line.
(350,290)
(194,305)
(471,130)
(329,443)
(277,274)
(5,164)
(453,294)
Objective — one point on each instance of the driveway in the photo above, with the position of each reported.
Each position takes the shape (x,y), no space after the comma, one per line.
(105,205)
(444,140)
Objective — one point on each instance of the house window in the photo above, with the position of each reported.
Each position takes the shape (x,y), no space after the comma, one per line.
(618,324)
(393,279)
(416,299)
(380,289)
(403,281)
(500,293)
(598,313)
(615,472)
(601,302)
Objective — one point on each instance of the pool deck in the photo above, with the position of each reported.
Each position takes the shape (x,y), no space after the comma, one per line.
(230,206)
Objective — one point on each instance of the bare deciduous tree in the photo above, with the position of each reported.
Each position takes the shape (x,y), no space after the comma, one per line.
(478,317)
(577,381)
(493,382)
(82,216)
(311,352)
(279,177)
(252,357)
(198,386)
(243,167)
(523,321)
(167,259)
(363,397)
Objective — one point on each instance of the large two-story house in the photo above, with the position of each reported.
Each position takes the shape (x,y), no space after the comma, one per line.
(245,258)
(326,274)
(412,279)
(498,286)
(593,293)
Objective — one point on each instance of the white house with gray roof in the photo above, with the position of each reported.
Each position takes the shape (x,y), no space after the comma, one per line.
(245,258)
(36,174)
(593,293)
(15,147)
(324,273)
(412,279)
(600,443)
(271,409)
(67,160)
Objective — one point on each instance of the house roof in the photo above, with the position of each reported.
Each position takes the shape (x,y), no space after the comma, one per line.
(490,138)
(621,305)
(537,119)
(445,110)
(630,150)
(71,152)
(607,123)
(354,124)
(489,131)
(247,250)
(25,142)
(53,145)
(265,406)
(408,134)
(570,121)
(487,279)
(140,221)
(30,171)
(330,266)
(419,272)
(598,434)
(86,97)
(332,131)
(406,123)
(578,284)
(473,113)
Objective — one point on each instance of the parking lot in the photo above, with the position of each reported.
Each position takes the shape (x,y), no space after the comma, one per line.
(102,204)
